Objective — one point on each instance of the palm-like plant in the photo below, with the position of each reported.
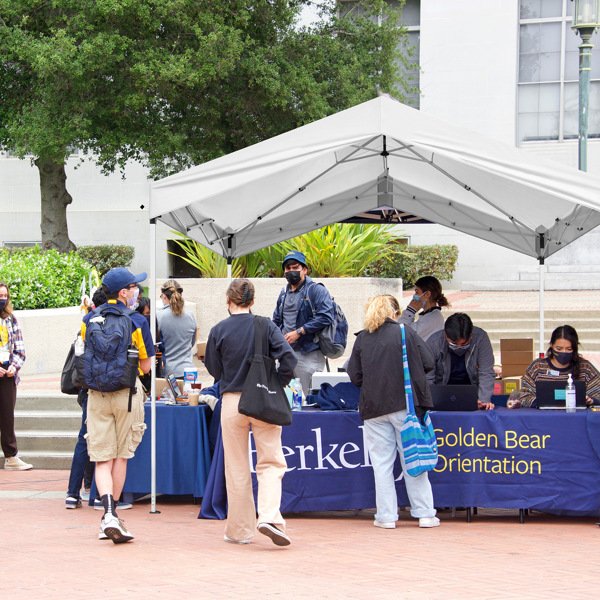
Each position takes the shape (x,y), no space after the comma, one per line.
(337,250)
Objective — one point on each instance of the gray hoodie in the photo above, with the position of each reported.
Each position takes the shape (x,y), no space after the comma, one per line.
(479,361)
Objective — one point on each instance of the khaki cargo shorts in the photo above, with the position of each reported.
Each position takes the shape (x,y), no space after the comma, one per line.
(112,432)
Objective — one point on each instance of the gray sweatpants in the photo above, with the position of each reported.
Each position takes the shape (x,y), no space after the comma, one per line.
(307,365)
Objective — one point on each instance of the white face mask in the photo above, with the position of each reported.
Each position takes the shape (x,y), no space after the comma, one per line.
(132,302)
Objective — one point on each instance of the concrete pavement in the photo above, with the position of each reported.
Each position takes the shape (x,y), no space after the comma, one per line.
(51,552)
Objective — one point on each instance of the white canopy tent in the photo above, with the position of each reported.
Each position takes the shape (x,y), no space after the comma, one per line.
(379,154)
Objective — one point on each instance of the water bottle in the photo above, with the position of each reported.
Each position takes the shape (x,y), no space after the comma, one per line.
(296,387)
(79,346)
(570,395)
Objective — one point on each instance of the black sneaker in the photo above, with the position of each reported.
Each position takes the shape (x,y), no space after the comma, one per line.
(277,536)
(72,502)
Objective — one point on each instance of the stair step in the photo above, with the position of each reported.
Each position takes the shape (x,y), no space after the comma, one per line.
(48,460)
(43,441)
(55,401)
(55,420)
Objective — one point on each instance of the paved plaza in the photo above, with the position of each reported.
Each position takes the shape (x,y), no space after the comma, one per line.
(49,552)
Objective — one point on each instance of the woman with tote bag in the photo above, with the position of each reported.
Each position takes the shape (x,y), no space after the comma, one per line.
(229,352)
(393,402)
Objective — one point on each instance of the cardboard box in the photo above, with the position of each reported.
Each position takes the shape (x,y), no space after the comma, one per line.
(511,384)
(498,387)
(517,357)
(514,370)
(516,345)
(201,350)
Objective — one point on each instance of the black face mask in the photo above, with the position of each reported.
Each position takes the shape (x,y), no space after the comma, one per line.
(3,303)
(564,358)
(293,277)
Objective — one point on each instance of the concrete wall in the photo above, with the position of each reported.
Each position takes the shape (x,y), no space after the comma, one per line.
(48,334)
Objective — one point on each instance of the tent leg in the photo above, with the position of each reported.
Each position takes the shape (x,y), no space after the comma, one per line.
(542,284)
(229,261)
(152,294)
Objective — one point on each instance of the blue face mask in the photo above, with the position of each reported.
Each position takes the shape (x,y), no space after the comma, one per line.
(417,298)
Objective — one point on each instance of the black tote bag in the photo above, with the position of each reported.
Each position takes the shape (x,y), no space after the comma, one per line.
(263,396)
(66,379)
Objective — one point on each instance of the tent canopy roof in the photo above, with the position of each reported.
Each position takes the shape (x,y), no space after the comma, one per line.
(379,155)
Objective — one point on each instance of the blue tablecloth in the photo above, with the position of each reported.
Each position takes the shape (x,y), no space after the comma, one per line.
(526,458)
(182,453)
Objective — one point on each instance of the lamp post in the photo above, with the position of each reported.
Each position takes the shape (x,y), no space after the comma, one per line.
(586,19)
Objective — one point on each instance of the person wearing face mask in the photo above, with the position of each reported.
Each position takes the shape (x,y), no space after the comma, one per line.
(12,357)
(178,330)
(428,298)
(115,420)
(464,356)
(303,309)
(562,359)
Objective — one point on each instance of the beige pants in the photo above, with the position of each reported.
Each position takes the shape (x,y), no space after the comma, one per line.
(270,468)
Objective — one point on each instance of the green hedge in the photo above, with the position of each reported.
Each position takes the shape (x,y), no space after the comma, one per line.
(104,258)
(416,261)
(39,279)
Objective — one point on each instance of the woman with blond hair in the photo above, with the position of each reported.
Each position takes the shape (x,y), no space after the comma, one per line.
(178,330)
(376,367)
(229,350)
(12,357)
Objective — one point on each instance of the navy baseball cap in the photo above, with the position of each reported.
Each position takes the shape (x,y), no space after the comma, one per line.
(119,278)
(295,256)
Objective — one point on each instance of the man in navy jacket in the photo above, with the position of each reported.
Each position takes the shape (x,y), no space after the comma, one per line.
(303,309)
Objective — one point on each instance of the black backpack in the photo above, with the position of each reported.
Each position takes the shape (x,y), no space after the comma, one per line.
(332,339)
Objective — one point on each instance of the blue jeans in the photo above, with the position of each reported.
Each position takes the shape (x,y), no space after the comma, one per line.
(80,457)
(384,443)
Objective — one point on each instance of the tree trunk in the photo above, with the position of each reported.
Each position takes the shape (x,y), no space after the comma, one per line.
(55,199)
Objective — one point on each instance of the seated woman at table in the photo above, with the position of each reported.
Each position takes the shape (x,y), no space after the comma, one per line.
(178,331)
(376,367)
(428,297)
(229,349)
(562,359)
(463,356)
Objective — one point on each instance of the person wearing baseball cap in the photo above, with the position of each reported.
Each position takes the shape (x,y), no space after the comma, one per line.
(115,420)
(303,309)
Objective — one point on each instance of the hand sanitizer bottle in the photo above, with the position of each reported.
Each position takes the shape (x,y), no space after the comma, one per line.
(570,395)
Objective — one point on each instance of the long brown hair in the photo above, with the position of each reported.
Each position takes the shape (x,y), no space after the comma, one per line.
(172,290)
(7,310)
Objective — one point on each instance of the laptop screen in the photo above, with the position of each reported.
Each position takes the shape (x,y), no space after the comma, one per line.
(454,397)
(551,394)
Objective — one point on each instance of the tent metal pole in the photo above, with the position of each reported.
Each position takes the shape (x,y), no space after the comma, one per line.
(542,284)
(229,261)
(152,294)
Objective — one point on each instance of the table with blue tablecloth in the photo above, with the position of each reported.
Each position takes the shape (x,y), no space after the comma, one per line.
(523,459)
(182,453)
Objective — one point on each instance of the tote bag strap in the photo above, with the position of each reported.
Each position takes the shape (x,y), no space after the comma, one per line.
(261,343)
(410,406)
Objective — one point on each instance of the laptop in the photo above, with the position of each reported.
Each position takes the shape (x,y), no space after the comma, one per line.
(454,397)
(551,394)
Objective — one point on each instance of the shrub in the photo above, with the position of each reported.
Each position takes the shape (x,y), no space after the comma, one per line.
(106,257)
(39,279)
(415,262)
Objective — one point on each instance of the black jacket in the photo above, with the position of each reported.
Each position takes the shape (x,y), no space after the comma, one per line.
(376,367)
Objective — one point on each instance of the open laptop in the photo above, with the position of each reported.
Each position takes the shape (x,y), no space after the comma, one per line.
(454,397)
(551,394)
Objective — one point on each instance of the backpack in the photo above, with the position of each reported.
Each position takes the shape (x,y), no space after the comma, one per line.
(107,340)
(332,339)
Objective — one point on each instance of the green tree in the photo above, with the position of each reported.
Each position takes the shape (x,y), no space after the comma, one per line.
(173,83)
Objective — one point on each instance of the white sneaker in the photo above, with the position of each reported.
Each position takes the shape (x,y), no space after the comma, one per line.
(385,524)
(102,535)
(115,529)
(235,541)
(14,463)
(429,522)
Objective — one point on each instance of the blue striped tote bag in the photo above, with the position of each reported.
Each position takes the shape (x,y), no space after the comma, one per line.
(418,441)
